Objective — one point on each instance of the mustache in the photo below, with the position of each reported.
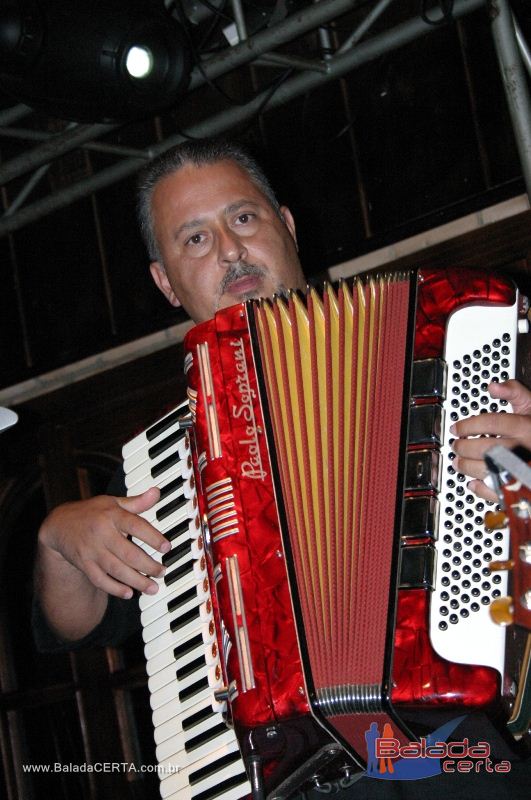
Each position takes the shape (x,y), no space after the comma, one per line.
(240,269)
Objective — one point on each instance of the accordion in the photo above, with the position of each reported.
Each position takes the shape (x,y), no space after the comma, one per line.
(330,571)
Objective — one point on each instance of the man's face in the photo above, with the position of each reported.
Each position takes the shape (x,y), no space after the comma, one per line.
(220,241)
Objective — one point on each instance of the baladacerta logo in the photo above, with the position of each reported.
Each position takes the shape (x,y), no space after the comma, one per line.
(431,755)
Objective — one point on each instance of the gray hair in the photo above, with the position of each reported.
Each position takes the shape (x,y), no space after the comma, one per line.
(198,152)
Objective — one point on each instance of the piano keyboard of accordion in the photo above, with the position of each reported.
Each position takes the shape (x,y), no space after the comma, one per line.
(387,560)
(197,753)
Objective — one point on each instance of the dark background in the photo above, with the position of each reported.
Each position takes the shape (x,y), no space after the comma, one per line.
(416,138)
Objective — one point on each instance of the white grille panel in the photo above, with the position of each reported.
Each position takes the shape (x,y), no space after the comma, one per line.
(480,348)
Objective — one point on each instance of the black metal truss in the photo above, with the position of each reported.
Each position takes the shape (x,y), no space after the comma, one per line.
(256,49)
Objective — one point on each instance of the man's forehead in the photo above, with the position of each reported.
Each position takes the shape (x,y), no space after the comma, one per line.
(194,191)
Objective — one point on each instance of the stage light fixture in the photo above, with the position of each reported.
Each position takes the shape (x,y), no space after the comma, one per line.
(92,60)
(139,61)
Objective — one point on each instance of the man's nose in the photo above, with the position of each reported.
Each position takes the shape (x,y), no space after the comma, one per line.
(230,247)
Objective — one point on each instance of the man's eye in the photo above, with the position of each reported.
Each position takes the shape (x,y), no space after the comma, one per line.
(245,218)
(197,238)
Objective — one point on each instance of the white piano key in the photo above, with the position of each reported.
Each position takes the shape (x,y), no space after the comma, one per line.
(172,638)
(151,514)
(184,564)
(172,690)
(182,539)
(163,642)
(194,528)
(137,483)
(166,591)
(168,673)
(181,409)
(159,609)
(209,730)
(160,661)
(179,450)
(180,779)
(165,656)
(195,756)
(165,712)
(167,730)
(172,748)
(158,627)
(186,510)
(174,725)
(162,624)
(136,457)
(195,606)
(179,555)
(171,730)
(141,441)
(183,628)
(135,471)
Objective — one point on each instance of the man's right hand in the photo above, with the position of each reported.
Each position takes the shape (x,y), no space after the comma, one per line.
(85,554)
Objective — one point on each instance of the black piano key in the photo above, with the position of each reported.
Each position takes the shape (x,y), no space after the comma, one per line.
(177,530)
(183,598)
(157,449)
(165,464)
(177,553)
(192,666)
(202,738)
(164,424)
(170,507)
(171,487)
(194,688)
(221,788)
(199,716)
(184,619)
(186,647)
(213,767)
(179,573)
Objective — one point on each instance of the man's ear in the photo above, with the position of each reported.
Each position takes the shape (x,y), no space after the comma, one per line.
(289,222)
(158,273)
